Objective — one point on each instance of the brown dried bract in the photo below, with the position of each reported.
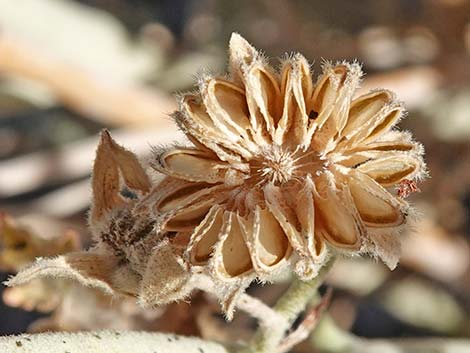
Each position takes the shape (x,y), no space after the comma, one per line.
(129,257)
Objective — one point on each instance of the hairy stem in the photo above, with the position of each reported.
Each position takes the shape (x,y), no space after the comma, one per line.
(310,320)
(252,306)
(291,304)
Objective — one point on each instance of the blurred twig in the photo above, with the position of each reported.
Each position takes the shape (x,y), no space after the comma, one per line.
(64,202)
(100,98)
(329,338)
(29,172)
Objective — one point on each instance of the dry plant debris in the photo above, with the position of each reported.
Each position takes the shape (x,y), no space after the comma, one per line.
(20,245)
(283,173)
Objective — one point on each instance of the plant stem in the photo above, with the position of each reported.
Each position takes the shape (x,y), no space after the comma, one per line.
(300,294)
(329,338)
(291,304)
(253,306)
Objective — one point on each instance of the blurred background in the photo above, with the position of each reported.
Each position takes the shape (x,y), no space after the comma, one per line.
(70,68)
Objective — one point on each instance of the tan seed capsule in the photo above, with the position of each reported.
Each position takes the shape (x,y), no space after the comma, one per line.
(295,170)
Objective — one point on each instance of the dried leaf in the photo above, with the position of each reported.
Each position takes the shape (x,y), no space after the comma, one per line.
(90,269)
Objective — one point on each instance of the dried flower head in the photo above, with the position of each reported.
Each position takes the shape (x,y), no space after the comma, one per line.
(284,171)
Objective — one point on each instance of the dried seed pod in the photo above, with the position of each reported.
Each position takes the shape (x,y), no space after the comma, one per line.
(282,173)
(285,171)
